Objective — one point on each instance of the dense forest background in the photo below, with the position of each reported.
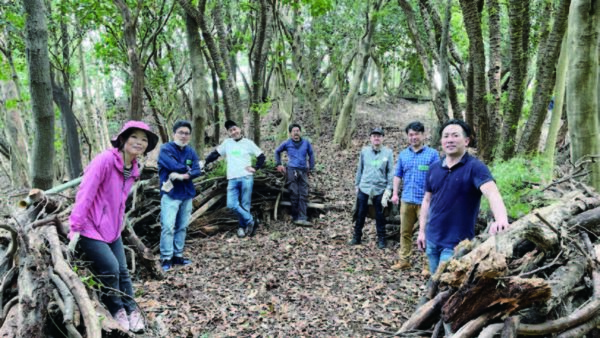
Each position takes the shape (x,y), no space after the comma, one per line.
(72,71)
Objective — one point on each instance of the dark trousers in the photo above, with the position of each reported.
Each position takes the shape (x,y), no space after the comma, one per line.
(297,181)
(362,207)
(109,265)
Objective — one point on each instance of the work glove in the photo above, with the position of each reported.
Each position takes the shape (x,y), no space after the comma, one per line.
(386,197)
(167,186)
(73,242)
(176,177)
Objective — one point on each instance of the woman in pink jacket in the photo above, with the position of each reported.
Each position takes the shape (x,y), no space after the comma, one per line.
(97,218)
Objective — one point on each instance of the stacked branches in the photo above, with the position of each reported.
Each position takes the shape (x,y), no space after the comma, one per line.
(541,277)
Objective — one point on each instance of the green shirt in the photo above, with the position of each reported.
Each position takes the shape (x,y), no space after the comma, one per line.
(375,170)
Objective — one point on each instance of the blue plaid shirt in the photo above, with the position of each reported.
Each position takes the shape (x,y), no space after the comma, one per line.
(412,168)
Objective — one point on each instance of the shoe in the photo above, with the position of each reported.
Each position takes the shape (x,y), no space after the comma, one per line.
(137,323)
(381,244)
(241,233)
(401,265)
(166,264)
(251,230)
(303,222)
(354,241)
(425,273)
(181,261)
(121,318)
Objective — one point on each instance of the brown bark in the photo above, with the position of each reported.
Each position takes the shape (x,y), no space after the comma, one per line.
(198,83)
(41,94)
(495,69)
(548,54)
(425,312)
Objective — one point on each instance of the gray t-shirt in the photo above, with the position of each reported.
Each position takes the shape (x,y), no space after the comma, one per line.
(238,156)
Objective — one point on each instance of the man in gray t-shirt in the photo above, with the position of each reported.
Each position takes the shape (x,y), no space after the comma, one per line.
(238,153)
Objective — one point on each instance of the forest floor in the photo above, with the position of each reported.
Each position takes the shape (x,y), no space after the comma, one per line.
(295,281)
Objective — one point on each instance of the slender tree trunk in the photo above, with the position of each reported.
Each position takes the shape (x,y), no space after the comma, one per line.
(136,103)
(559,95)
(36,43)
(14,127)
(345,124)
(258,56)
(483,125)
(198,82)
(92,128)
(495,68)
(582,84)
(545,79)
(518,17)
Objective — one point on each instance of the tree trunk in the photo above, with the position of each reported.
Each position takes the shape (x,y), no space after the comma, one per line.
(36,42)
(14,128)
(483,125)
(136,103)
(92,127)
(345,124)
(61,94)
(198,82)
(545,79)
(495,68)
(582,84)
(518,14)
(258,56)
(559,95)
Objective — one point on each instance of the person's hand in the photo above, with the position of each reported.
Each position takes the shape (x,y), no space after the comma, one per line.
(281,169)
(499,226)
(386,197)
(356,190)
(250,169)
(395,199)
(177,176)
(73,242)
(421,240)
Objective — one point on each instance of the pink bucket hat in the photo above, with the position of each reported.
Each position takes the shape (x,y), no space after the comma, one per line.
(152,137)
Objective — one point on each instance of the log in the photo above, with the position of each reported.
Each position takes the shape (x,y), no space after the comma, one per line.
(490,296)
(205,207)
(510,327)
(491,330)
(311,205)
(473,326)
(425,312)
(562,281)
(589,220)
(581,330)
(148,259)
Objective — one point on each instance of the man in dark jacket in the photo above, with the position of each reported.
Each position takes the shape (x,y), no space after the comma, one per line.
(297,171)
(178,165)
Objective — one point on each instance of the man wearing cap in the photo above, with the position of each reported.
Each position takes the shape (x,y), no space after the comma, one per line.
(373,181)
(411,169)
(178,165)
(238,152)
(297,149)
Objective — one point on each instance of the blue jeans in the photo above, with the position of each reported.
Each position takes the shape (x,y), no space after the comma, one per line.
(109,265)
(437,254)
(241,188)
(174,218)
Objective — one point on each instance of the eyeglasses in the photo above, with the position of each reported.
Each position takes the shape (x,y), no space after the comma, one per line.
(183,133)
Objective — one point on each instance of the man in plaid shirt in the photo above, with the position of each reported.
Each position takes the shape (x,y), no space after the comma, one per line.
(411,169)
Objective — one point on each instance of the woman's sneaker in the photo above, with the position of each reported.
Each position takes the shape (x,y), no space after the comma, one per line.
(137,323)
(121,318)
(241,233)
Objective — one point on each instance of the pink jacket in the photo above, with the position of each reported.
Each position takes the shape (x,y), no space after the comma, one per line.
(100,202)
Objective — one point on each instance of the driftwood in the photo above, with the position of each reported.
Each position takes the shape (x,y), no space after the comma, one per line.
(524,280)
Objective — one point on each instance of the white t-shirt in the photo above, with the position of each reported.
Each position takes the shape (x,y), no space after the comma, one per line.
(238,156)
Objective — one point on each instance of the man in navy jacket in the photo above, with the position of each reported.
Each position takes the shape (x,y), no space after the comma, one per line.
(178,165)
(297,171)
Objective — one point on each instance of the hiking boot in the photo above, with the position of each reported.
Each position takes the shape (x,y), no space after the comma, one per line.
(401,265)
(137,323)
(303,222)
(354,241)
(121,318)
(181,261)
(166,264)
(381,244)
(241,233)
(251,230)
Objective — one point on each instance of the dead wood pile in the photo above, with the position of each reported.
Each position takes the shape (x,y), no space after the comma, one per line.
(539,278)
(42,294)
